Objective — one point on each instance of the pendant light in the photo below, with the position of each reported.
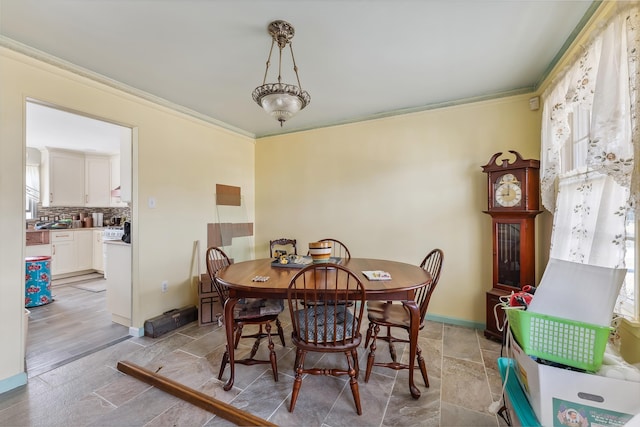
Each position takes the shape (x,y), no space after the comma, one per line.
(281,100)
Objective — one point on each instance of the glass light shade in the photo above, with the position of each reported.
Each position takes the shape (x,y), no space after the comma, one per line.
(281,100)
(282,106)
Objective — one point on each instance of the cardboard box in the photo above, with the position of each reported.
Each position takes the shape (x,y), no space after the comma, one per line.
(562,397)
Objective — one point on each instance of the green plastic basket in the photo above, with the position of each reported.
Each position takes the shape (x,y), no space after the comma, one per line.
(577,344)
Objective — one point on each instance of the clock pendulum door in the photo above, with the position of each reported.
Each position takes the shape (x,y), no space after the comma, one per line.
(508,256)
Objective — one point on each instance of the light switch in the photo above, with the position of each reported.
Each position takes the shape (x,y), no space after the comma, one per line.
(152,202)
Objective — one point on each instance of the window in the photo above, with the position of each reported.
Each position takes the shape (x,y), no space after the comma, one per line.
(628,305)
(576,175)
(32,191)
(590,143)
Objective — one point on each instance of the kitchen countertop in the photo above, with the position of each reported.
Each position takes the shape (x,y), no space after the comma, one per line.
(31,230)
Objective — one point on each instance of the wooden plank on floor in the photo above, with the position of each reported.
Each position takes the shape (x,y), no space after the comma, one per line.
(201,400)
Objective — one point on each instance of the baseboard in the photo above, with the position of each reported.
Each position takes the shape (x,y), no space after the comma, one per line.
(456,322)
(136,332)
(13,382)
(72,278)
(72,274)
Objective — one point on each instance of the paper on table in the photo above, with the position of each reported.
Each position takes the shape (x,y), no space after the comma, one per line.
(377,275)
(580,292)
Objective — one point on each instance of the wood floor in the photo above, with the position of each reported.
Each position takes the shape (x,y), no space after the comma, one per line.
(74,325)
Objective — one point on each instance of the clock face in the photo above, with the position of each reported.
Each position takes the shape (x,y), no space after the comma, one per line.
(508,192)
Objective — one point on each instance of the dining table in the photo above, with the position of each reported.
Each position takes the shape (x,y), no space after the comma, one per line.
(241,280)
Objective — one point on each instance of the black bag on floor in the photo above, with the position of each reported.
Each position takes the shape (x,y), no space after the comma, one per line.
(170,320)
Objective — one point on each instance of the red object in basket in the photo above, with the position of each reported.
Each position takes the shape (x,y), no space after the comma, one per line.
(522,298)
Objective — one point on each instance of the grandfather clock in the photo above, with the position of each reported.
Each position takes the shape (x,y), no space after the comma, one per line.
(513,194)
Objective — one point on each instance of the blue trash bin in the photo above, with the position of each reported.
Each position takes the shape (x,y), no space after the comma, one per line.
(37,281)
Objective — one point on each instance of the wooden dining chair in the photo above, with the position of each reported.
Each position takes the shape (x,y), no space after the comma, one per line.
(321,324)
(338,250)
(282,243)
(249,311)
(390,315)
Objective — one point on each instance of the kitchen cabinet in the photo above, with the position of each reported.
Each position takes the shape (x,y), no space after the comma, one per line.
(71,251)
(97,181)
(126,153)
(73,179)
(118,278)
(83,240)
(116,200)
(63,252)
(62,176)
(98,251)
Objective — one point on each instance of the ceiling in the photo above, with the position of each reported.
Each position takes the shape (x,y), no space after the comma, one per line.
(358,59)
(52,127)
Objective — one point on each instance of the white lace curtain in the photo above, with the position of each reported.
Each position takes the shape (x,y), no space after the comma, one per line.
(33,183)
(590,207)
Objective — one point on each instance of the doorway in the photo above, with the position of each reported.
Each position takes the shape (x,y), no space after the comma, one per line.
(78,320)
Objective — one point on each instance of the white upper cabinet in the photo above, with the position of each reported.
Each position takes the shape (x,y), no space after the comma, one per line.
(63,182)
(126,138)
(71,178)
(97,181)
(121,171)
(116,193)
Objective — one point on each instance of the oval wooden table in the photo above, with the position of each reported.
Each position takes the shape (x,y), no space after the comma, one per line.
(405,278)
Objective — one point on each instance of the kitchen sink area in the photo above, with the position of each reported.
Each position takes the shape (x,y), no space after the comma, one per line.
(79,252)
(75,245)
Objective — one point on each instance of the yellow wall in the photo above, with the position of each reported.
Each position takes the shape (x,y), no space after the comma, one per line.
(177,160)
(389,188)
(397,187)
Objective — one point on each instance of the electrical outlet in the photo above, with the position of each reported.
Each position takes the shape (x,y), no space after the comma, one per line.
(165,286)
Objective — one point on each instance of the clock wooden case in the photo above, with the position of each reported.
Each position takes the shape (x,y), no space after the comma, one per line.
(513,197)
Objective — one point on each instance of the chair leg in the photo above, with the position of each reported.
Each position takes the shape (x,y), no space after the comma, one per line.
(392,348)
(297,383)
(353,382)
(238,335)
(354,354)
(369,331)
(423,367)
(280,331)
(295,362)
(372,353)
(255,347)
(272,354)
(223,364)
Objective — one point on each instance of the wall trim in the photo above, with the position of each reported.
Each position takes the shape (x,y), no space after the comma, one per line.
(136,332)
(455,322)
(13,382)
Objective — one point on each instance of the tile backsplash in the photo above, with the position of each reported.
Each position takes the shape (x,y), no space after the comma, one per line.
(62,212)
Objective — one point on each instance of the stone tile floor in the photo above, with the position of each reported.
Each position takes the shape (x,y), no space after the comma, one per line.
(90,391)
